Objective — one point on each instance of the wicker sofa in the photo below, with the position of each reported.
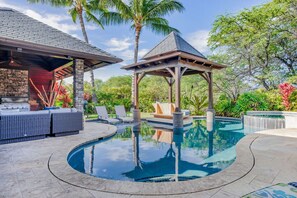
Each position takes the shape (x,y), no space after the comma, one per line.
(66,122)
(23,126)
(16,126)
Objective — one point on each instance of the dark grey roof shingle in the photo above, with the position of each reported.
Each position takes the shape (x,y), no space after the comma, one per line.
(173,42)
(18,26)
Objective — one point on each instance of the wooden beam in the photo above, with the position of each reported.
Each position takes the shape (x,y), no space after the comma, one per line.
(156,67)
(200,59)
(140,77)
(165,59)
(194,66)
(64,66)
(183,71)
(170,71)
(166,80)
(204,76)
(159,73)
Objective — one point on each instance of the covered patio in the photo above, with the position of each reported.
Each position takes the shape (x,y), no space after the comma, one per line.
(173,58)
(33,50)
(33,57)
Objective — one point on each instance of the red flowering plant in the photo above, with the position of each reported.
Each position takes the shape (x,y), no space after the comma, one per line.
(286,89)
(88,97)
(64,97)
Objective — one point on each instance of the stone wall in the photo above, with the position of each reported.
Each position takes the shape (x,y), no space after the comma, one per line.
(14,83)
(78,84)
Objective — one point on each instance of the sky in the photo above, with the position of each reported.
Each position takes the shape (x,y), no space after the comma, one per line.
(194,23)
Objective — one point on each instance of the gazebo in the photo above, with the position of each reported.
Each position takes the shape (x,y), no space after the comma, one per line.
(33,50)
(173,58)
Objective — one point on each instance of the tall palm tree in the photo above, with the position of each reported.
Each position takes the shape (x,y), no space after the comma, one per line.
(81,9)
(141,14)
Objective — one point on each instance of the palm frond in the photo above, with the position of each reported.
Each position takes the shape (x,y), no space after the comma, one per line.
(90,17)
(165,7)
(73,14)
(55,3)
(122,8)
(113,18)
(161,28)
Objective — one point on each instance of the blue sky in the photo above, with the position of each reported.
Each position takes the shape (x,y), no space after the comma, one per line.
(194,24)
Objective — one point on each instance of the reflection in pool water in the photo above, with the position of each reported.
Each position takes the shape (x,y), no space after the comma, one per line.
(146,154)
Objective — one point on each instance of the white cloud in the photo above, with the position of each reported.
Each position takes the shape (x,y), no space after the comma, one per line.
(116,44)
(54,20)
(142,52)
(62,22)
(199,40)
(124,48)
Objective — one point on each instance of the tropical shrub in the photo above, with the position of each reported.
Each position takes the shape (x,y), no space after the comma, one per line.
(286,89)
(293,101)
(198,104)
(251,101)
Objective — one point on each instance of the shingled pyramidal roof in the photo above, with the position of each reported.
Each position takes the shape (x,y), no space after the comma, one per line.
(172,43)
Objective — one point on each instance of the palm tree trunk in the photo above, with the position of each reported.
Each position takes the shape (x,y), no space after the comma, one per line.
(83,29)
(136,45)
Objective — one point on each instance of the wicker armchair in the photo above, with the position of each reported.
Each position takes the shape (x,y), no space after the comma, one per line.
(23,126)
(66,122)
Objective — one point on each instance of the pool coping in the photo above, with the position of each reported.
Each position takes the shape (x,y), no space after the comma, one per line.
(244,163)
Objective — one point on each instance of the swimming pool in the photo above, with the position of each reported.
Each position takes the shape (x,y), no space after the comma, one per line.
(147,154)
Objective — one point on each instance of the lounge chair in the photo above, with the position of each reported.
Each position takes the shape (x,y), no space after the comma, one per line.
(103,115)
(121,114)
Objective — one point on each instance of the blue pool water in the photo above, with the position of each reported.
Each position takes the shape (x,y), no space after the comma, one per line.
(148,154)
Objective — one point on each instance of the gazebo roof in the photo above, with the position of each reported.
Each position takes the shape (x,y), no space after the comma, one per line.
(172,43)
(19,31)
(173,51)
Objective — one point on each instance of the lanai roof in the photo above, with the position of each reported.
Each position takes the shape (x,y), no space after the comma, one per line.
(18,30)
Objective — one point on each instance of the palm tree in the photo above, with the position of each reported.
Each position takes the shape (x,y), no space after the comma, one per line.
(141,14)
(81,9)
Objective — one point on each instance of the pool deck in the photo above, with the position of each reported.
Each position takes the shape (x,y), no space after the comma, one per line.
(38,169)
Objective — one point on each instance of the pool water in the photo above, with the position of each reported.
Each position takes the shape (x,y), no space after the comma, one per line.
(147,154)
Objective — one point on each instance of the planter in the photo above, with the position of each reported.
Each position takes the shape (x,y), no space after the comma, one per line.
(50,108)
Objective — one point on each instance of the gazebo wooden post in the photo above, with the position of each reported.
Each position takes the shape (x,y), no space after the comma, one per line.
(177,88)
(170,90)
(210,115)
(136,112)
(177,115)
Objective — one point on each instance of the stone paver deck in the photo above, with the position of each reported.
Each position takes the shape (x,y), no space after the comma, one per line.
(264,159)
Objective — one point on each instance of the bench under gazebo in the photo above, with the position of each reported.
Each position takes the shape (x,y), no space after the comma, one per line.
(173,58)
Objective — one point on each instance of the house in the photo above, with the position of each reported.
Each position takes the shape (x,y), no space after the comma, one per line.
(30,49)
